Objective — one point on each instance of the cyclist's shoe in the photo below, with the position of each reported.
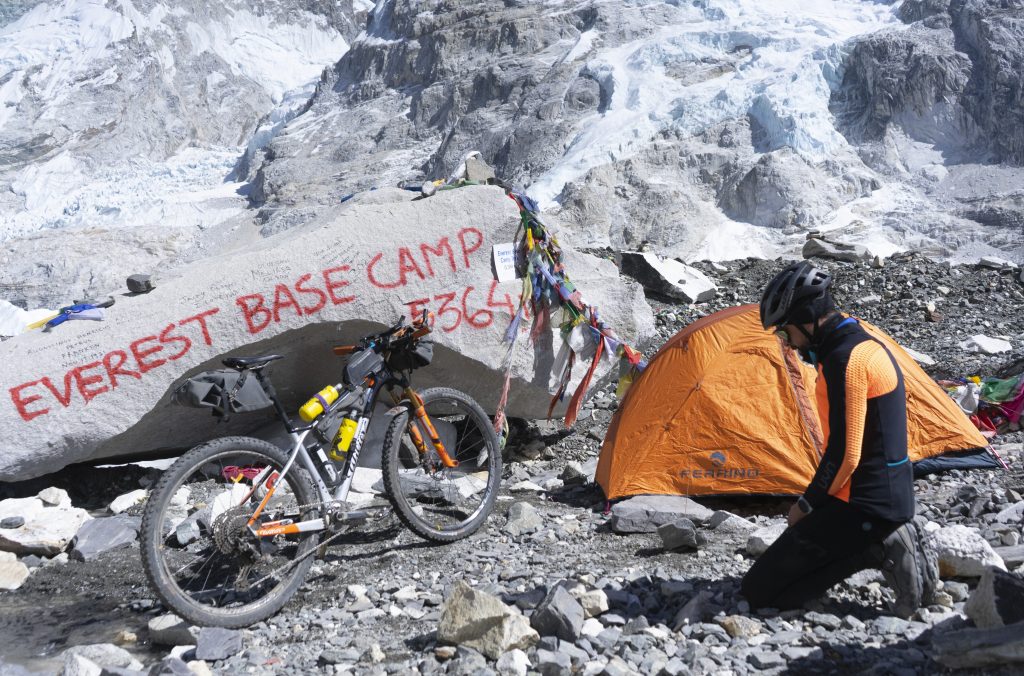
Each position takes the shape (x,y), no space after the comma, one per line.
(929,564)
(902,566)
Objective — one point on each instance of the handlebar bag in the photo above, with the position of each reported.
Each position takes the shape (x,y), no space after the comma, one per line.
(226,391)
(414,357)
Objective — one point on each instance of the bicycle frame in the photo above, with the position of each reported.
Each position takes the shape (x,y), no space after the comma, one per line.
(300,454)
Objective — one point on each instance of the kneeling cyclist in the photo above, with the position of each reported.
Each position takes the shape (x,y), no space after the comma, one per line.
(856,512)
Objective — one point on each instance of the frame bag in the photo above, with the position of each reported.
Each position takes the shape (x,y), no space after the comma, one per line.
(226,391)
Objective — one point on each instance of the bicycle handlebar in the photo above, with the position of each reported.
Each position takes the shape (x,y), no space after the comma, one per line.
(382,341)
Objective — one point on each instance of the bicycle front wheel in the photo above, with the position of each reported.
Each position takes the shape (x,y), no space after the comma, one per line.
(198,550)
(436,502)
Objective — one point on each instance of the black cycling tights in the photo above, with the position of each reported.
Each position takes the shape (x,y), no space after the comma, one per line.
(822,549)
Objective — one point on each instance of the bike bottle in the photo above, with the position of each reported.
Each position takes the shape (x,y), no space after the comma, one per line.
(343,439)
(319,403)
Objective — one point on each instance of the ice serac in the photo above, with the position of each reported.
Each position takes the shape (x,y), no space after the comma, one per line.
(91,390)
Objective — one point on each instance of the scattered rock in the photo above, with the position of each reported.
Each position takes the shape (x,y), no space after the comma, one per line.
(977,648)
(680,534)
(481,621)
(124,502)
(559,614)
(986,345)
(218,643)
(103,655)
(12,522)
(171,630)
(998,599)
(762,538)
(822,248)
(645,513)
(140,283)
(54,497)
(728,522)
(668,277)
(523,518)
(1011,556)
(593,601)
(513,663)
(13,573)
(738,626)
(103,535)
(963,552)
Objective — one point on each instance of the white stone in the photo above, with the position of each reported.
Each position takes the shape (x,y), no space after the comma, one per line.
(594,601)
(103,655)
(591,627)
(13,573)
(669,277)
(124,502)
(996,263)
(181,496)
(54,497)
(730,523)
(199,668)
(367,480)
(526,486)
(963,552)
(761,539)
(986,345)
(1012,514)
(378,266)
(919,357)
(47,530)
(513,663)
(77,665)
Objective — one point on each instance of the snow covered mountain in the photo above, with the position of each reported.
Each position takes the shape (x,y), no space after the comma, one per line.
(135,133)
(134,115)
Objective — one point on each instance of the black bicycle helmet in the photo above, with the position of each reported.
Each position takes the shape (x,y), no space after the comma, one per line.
(797,295)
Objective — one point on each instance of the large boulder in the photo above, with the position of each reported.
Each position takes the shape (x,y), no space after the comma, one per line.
(89,391)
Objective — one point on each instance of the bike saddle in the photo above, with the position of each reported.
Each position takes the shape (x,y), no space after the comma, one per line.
(241,363)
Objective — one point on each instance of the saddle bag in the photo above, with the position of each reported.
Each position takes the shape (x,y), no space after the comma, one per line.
(225,391)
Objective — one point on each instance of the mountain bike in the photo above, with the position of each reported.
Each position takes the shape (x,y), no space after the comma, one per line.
(231,528)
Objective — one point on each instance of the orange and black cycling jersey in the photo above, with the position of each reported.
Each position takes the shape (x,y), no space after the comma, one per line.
(863,409)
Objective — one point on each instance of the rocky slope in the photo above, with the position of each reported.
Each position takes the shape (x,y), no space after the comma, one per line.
(708,130)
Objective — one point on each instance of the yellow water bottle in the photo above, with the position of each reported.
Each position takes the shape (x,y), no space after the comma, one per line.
(343,439)
(319,403)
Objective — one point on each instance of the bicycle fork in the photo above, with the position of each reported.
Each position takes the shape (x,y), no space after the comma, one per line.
(417,439)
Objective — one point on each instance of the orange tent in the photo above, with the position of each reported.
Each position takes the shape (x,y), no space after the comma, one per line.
(724,408)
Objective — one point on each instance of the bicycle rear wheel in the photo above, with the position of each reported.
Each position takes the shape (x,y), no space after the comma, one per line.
(441,503)
(198,552)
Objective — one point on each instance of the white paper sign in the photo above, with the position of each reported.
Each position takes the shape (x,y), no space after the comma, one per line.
(504,261)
